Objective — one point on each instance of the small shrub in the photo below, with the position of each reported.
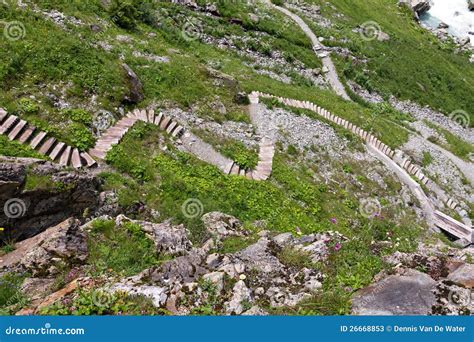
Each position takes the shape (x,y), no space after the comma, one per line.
(28,106)
(79,115)
(81,137)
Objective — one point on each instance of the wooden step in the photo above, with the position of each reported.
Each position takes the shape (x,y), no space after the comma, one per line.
(64,160)
(76,159)
(158,119)
(27,134)
(46,147)
(89,160)
(171,127)
(56,150)
(151,116)
(37,139)
(177,132)
(16,130)
(164,124)
(9,122)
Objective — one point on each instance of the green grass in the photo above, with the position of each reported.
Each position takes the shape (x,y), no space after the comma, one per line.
(453,143)
(413,64)
(121,250)
(11,297)
(99,302)
(15,149)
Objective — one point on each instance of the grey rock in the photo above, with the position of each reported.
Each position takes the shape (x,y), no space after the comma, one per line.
(222,225)
(410,293)
(255,311)
(158,294)
(240,293)
(464,275)
(47,253)
(259,256)
(216,278)
(43,208)
(168,239)
(283,240)
(135,86)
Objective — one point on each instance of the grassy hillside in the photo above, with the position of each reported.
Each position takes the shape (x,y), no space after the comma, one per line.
(413,64)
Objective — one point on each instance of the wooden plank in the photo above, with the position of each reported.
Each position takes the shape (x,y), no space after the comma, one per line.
(170,128)
(151,116)
(27,134)
(76,159)
(64,160)
(158,119)
(37,139)
(56,150)
(89,160)
(179,130)
(9,122)
(165,123)
(16,130)
(46,147)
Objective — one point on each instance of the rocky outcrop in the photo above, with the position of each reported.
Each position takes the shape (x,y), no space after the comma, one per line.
(443,288)
(48,253)
(470,4)
(418,7)
(53,194)
(408,293)
(222,225)
(234,283)
(169,239)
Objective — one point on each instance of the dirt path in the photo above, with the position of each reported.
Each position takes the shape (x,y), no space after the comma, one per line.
(331,74)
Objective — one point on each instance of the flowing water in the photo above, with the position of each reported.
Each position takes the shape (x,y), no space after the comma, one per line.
(455,13)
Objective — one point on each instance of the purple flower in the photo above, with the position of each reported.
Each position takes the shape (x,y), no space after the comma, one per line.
(333,220)
(337,246)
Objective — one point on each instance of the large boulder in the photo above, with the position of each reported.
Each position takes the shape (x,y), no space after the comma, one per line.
(409,293)
(49,252)
(464,275)
(53,194)
(135,86)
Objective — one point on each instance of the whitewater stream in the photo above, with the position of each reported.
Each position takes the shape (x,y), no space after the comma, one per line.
(455,13)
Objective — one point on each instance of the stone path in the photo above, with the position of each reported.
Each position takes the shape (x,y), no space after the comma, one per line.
(17,129)
(319,50)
